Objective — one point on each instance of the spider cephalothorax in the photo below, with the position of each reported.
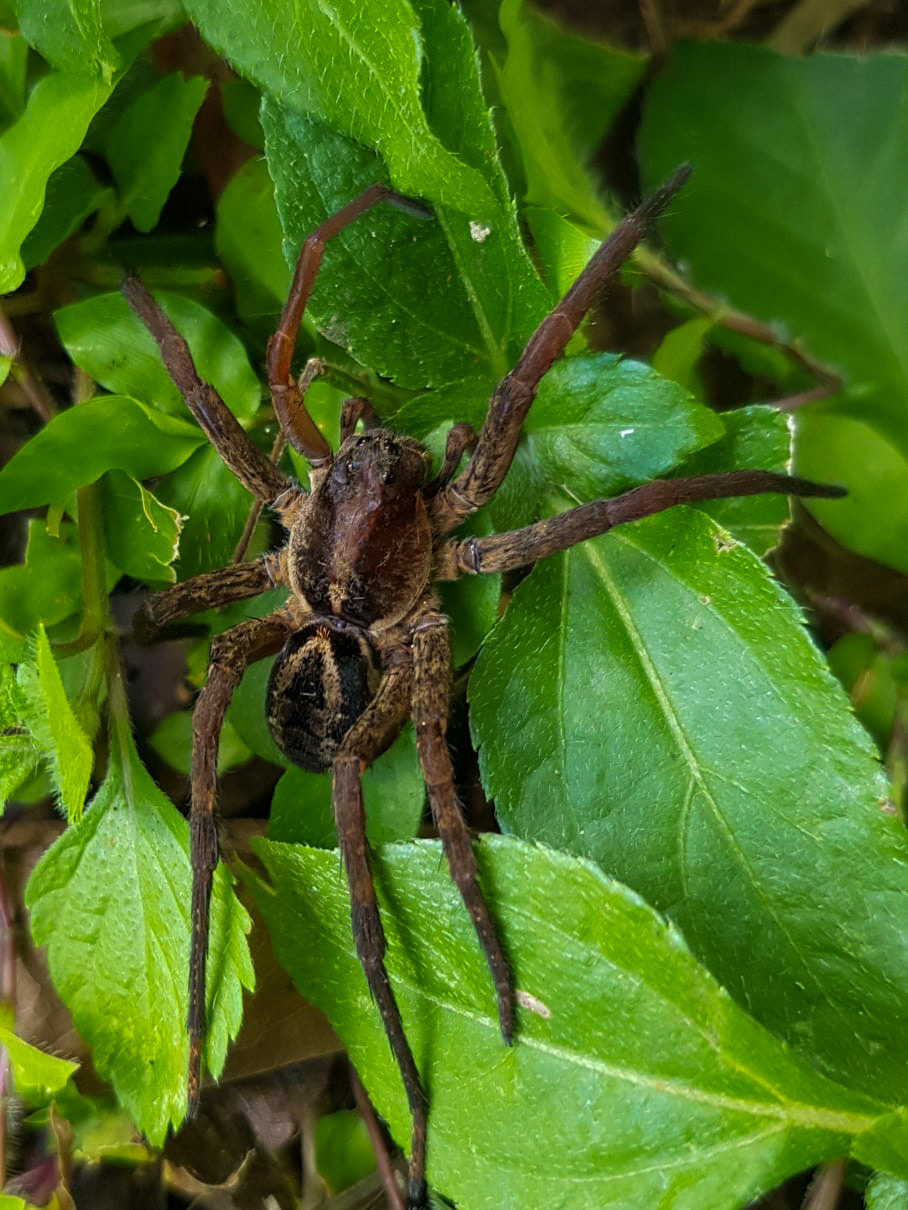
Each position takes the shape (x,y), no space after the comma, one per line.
(362,645)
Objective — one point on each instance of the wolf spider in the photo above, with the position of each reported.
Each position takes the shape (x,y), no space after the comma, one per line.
(362,644)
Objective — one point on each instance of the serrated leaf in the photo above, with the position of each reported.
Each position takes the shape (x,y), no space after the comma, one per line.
(789,213)
(756,438)
(65,748)
(353,72)
(146,146)
(51,130)
(112,896)
(371,296)
(630,1065)
(652,701)
(107,339)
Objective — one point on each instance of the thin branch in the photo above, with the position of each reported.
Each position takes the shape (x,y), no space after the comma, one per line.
(35,391)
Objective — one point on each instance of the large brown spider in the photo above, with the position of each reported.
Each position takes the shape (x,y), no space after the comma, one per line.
(362,643)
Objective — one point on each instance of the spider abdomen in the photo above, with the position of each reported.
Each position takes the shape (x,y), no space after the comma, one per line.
(322,680)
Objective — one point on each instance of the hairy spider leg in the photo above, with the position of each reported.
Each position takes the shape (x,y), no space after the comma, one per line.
(231,653)
(498,438)
(253,469)
(209,590)
(370,735)
(431,687)
(288,395)
(518,547)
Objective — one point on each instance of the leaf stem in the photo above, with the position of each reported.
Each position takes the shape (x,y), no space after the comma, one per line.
(663,275)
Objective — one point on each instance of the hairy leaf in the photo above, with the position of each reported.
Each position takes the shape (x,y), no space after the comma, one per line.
(65,748)
(354,72)
(112,897)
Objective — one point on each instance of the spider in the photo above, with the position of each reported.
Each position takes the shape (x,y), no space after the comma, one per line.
(362,644)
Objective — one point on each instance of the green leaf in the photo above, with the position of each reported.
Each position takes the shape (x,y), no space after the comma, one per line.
(393,790)
(107,339)
(680,350)
(65,747)
(71,36)
(36,1074)
(141,534)
(249,241)
(46,588)
(172,740)
(562,93)
(651,700)
(370,296)
(873,517)
(789,213)
(602,424)
(19,753)
(885,1144)
(886,1192)
(73,193)
(109,433)
(112,897)
(13,60)
(646,1080)
(146,146)
(354,72)
(214,506)
(756,438)
(50,131)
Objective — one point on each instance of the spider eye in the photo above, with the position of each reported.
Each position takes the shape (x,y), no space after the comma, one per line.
(352,467)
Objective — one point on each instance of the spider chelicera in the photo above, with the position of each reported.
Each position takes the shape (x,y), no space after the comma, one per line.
(362,643)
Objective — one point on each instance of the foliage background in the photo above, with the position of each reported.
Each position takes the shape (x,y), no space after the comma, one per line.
(648,709)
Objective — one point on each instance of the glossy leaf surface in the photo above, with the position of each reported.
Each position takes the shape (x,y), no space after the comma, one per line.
(641,1075)
(638,734)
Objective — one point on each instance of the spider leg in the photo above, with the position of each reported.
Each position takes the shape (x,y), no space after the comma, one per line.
(294,419)
(513,396)
(221,427)
(460,438)
(231,652)
(211,588)
(432,678)
(352,412)
(518,547)
(371,733)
